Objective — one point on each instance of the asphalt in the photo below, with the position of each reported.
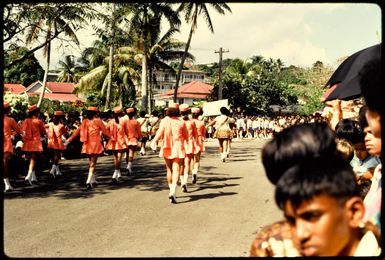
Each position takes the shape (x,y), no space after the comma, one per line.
(218,216)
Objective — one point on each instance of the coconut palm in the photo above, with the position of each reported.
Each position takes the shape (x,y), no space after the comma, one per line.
(142,16)
(68,69)
(49,21)
(192,10)
(162,50)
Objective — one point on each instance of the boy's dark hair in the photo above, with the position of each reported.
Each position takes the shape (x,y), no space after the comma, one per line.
(330,175)
(362,118)
(371,80)
(90,114)
(172,112)
(155,113)
(142,113)
(349,130)
(295,144)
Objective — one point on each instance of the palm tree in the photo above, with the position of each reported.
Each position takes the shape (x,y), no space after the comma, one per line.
(192,10)
(143,14)
(69,69)
(50,20)
(163,49)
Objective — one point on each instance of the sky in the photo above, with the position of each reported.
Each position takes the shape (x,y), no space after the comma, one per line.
(298,34)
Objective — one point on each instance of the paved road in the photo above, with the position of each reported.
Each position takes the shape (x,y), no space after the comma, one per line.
(218,217)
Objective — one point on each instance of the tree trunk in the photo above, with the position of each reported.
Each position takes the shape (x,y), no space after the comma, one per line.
(45,75)
(144,76)
(111,60)
(185,54)
(150,89)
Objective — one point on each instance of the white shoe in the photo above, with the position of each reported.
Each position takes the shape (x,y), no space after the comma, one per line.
(114,175)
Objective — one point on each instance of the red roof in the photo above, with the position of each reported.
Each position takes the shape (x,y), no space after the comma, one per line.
(193,89)
(60,87)
(56,87)
(14,88)
(60,97)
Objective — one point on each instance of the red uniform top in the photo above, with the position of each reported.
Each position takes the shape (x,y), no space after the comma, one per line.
(174,134)
(201,135)
(55,133)
(132,131)
(33,128)
(192,135)
(9,126)
(89,131)
(118,140)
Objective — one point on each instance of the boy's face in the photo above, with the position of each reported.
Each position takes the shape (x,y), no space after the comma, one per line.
(361,151)
(372,143)
(321,226)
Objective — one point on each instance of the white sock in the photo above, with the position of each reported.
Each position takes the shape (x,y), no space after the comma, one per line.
(58,172)
(173,189)
(53,169)
(93,180)
(118,174)
(185,178)
(114,175)
(89,178)
(29,175)
(181,178)
(34,176)
(7,184)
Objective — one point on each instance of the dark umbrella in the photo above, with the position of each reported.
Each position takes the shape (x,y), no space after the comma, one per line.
(346,75)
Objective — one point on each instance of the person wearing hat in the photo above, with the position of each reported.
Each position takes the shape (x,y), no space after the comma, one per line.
(56,131)
(118,141)
(89,131)
(143,122)
(222,132)
(133,133)
(189,145)
(154,121)
(199,142)
(9,126)
(33,129)
(173,132)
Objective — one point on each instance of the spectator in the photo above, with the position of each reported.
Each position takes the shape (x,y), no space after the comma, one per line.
(321,201)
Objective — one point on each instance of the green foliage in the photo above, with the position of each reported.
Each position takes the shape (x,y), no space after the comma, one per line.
(25,72)
(19,105)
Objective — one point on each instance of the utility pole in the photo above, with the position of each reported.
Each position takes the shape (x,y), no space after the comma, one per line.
(221,51)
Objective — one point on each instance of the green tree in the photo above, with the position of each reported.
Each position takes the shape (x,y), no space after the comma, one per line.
(142,16)
(192,10)
(50,21)
(69,70)
(25,72)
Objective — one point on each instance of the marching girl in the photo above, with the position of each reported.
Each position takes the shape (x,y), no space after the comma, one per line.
(189,145)
(199,142)
(89,131)
(118,141)
(154,121)
(8,126)
(174,134)
(223,132)
(33,128)
(56,130)
(143,122)
(133,133)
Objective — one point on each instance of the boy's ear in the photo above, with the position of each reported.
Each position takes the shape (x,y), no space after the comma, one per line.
(355,210)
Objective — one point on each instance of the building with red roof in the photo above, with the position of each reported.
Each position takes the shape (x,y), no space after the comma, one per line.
(14,88)
(187,93)
(61,91)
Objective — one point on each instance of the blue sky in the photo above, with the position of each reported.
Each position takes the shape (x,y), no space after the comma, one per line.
(298,34)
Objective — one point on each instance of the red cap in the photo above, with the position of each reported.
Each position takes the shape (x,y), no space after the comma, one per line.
(32,108)
(130,110)
(195,110)
(93,109)
(58,113)
(184,107)
(118,110)
(173,105)
(6,105)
